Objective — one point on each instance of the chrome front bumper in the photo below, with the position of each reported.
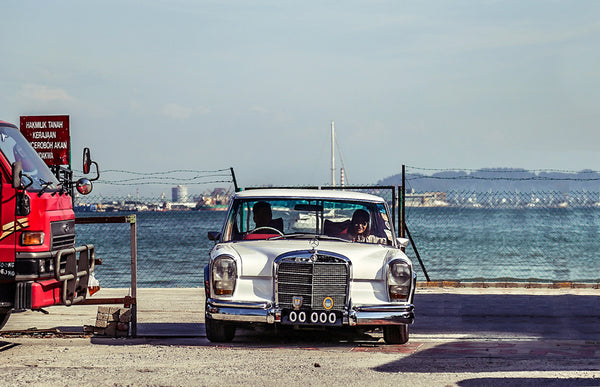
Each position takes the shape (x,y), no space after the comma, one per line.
(265,312)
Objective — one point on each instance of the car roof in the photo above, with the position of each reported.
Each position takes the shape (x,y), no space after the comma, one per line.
(286,193)
(4,123)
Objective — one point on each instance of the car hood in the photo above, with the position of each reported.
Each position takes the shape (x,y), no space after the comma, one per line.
(255,258)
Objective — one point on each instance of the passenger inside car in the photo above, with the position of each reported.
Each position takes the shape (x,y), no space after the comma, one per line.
(360,229)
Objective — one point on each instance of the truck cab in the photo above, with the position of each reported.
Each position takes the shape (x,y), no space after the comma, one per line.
(40,265)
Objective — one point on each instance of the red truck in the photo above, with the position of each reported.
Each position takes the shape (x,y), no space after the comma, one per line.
(39,263)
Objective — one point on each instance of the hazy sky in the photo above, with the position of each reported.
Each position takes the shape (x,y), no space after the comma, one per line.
(154,86)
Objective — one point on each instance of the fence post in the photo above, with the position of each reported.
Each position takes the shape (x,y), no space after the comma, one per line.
(235,186)
(133,232)
(127,300)
(402,202)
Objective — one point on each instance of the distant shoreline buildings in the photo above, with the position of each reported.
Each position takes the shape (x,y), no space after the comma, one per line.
(215,200)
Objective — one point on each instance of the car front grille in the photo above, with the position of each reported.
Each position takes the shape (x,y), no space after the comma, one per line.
(312,279)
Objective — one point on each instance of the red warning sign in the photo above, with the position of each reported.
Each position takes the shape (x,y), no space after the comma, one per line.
(50,137)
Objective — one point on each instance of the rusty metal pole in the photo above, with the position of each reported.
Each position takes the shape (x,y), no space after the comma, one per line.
(235,186)
(402,202)
(133,223)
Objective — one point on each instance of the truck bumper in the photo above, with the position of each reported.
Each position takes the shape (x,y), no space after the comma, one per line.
(36,295)
(264,312)
(72,268)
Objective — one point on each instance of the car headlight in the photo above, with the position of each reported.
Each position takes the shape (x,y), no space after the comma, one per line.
(399,280)
(224,273)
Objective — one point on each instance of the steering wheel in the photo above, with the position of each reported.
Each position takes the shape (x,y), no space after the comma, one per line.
(265,228)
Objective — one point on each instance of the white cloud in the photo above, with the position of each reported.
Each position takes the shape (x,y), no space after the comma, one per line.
(179,112)
(259,109)
(45,93)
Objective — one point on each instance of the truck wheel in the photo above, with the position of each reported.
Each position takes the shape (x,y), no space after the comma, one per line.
(4,315)
(395,334)
(219,332)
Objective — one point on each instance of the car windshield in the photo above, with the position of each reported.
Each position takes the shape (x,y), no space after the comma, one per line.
(16,148)
(269,218)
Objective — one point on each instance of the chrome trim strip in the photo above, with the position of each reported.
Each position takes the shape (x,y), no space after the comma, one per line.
(382,315)
(260,312)
(35,255)
(243,305)
(33,277)
(385,308)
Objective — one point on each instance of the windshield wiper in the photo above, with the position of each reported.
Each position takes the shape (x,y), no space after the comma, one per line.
(45,185)
(317,236)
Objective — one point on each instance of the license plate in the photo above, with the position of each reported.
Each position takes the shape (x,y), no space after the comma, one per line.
(311,317)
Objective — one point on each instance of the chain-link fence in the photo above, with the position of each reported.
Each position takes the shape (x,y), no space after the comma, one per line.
(473,234)
(504,224)
(172,247)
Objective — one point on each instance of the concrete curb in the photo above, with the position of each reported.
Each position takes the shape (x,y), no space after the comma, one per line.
(504,285)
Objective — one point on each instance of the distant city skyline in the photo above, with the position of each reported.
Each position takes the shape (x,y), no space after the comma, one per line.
(205,85)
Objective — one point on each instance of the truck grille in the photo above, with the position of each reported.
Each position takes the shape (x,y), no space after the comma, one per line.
(63,234)
(314,280)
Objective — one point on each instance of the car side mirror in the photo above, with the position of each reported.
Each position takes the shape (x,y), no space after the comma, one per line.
(214,236)
(403,242)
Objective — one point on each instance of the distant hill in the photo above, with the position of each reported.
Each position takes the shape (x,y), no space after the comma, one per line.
(499,179)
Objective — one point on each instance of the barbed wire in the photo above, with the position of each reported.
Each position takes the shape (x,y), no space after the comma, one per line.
(501,170)
(200,177)
(164,183)
(168,172)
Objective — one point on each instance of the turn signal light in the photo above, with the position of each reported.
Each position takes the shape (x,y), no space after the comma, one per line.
(32,238)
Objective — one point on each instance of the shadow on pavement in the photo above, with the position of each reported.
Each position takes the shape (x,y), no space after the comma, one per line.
(567,316)
(6,345)
(195,334)
(480,356)
(514,332)
(546,382)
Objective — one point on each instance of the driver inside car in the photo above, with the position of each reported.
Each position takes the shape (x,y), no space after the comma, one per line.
(263,217)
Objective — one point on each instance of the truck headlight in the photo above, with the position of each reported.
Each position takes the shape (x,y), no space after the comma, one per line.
(32,238)
(224,273)
(399,280)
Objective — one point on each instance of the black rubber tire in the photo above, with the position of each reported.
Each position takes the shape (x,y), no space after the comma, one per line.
(395,334)
(219,332)
(4,315)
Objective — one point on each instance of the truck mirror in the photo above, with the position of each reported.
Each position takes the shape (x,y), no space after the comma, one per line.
(17,171)
(84,186)
(87,160)
(87,165)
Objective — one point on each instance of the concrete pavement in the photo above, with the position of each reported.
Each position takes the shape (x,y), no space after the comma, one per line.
(445,312)
(461,337)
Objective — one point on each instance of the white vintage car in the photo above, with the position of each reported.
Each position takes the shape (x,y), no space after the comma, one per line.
(322,259)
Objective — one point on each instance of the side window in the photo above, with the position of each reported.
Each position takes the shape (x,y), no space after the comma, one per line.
(380,222)
(237,222)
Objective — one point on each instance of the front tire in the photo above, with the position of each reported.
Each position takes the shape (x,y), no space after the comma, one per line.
(4,315)
(395,334)
(219,332)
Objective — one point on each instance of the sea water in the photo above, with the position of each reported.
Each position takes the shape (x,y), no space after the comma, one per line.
(528,244)
(537,244)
